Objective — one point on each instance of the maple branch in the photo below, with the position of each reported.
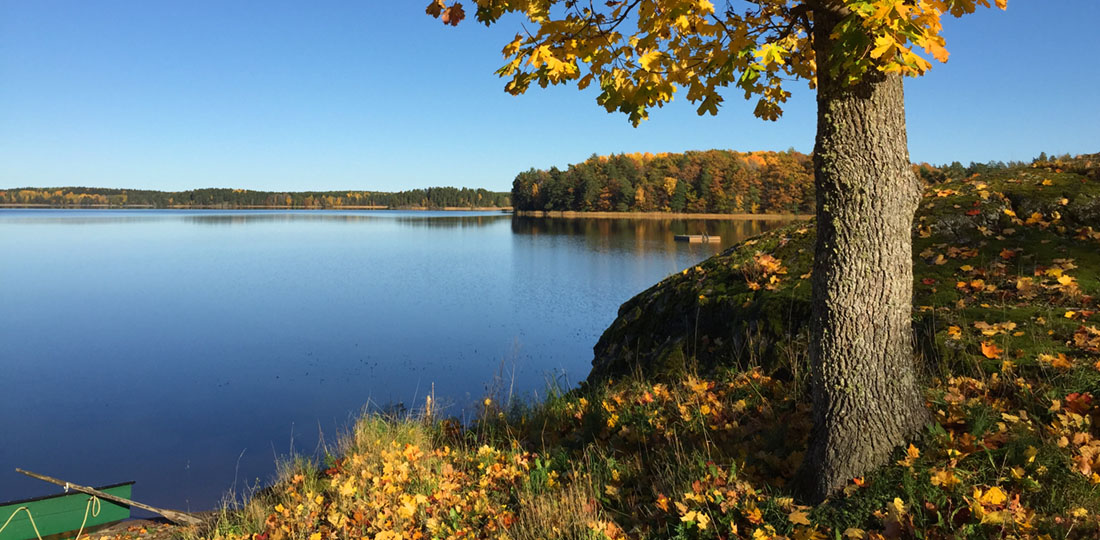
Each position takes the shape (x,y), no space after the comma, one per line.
(616,22)
(722,23)
(797,14)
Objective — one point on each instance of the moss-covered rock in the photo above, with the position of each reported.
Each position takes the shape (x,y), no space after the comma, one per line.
(1020,246)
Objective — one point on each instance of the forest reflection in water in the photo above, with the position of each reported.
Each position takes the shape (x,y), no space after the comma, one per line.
(410,218)
(432,219)
(643,235)
(603,231)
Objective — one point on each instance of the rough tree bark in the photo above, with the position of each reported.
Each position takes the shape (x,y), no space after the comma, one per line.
(864,378)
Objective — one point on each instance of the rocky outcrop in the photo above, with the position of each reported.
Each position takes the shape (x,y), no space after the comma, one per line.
(750,304)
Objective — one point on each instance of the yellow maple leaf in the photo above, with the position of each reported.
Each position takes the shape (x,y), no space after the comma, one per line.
(911,455)
(994,496)
(807,533)
(754,515)
(938,51)
(763,533)
(407,508)
(898,507)
(991,350)
(1058,361)
(883,44)
(944,478)
(798,517)
(348,488)
(337,519)
(650,61)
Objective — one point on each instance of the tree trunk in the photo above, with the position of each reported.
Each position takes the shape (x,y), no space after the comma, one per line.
(865,390)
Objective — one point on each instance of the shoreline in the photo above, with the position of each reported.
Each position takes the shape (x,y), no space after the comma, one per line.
(559,214)
(252,207)
(573,214)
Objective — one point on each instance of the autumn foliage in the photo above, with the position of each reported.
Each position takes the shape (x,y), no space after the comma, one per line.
(715,181)
(640,53)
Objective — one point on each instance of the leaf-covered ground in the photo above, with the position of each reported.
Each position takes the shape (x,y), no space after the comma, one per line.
(696,416)
(1019,246)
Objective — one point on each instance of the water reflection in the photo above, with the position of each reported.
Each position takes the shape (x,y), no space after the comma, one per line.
(452,222)
(23,216)
(643,235)
(226,220)
(409,218)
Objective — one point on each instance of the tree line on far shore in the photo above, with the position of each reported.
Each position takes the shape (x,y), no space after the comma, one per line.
(711,181)
(434,197)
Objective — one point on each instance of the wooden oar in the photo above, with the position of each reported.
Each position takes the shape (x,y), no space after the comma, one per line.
(181,518)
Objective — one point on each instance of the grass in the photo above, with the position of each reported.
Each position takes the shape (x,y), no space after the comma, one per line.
(704,458)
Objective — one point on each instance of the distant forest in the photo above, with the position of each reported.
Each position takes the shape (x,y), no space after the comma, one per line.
(714,181)
(711,181)
(435,197)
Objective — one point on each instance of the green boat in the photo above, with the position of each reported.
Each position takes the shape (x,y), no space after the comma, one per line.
(59,516)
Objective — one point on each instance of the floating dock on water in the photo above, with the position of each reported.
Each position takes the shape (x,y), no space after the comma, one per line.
(697,238)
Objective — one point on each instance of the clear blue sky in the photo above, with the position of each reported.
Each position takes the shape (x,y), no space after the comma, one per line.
(376,95)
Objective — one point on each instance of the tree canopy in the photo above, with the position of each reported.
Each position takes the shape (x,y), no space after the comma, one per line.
(715,181)
(639,52)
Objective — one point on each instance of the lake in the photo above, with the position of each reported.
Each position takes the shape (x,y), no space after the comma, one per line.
(190,350)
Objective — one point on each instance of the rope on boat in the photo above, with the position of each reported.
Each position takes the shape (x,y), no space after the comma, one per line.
(93,507)
(12,516)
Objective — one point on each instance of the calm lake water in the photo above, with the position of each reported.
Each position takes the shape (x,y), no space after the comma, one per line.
(188,350)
